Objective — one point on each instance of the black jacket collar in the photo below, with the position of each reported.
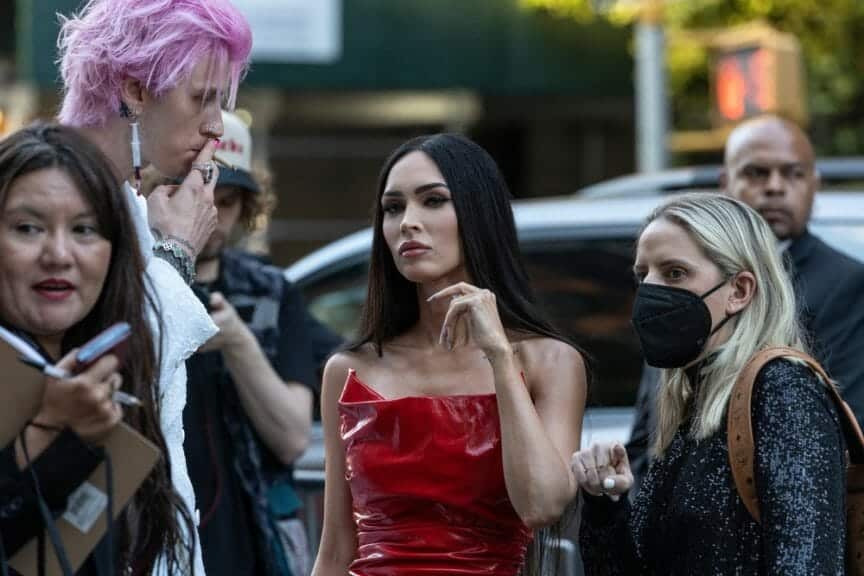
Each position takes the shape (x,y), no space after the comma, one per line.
(802,247)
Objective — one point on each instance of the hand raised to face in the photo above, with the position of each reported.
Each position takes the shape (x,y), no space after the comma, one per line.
(473,317)
(186,212)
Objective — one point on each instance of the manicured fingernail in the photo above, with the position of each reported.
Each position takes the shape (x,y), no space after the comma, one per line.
(608,483)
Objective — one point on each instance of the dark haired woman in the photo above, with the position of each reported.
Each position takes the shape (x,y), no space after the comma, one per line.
(70,266)
(449,424)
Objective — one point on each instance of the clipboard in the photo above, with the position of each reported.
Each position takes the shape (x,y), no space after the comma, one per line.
(132,456)
(20,393)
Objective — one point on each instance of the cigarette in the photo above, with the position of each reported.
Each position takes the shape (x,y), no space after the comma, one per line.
(121,397)
(221,162)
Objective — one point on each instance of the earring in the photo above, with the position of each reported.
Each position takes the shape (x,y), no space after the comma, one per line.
(135,142)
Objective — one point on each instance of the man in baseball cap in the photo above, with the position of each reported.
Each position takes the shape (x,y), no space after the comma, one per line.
(235,150)
(251,387)
(239,198)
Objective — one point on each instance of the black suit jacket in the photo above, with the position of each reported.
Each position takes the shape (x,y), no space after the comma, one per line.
(829,289)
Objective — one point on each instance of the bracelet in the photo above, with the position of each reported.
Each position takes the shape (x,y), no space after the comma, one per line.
(183,242)
(157,236)
(170,251)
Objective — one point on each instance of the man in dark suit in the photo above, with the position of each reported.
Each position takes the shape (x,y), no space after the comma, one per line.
(768,164)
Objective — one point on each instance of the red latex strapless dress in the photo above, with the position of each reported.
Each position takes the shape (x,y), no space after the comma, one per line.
(427,483)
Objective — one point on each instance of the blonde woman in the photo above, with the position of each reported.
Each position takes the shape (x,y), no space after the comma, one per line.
(712,292)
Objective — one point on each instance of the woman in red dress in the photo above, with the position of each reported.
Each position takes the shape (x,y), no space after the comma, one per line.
(449,425)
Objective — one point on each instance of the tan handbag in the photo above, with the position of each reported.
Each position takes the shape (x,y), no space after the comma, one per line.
(741,450)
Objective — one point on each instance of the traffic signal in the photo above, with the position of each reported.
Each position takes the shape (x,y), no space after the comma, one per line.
(756,70)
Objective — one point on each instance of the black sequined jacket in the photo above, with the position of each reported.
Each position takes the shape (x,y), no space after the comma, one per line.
(688,519)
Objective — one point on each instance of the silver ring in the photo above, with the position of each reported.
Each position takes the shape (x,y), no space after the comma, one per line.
(114,381)
(206,169)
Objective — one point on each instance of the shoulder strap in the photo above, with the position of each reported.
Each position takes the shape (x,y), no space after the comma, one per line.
(740,427)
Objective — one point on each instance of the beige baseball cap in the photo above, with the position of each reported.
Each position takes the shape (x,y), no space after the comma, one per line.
(235,148)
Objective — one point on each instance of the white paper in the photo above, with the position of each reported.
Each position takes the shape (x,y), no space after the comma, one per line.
(86,504)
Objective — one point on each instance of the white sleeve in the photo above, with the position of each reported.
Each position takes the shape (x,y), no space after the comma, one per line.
(180,325)
(185,326)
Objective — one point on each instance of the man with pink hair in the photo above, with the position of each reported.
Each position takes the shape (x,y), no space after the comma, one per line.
(146,81)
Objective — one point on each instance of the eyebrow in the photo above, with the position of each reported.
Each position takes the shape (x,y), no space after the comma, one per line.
(25,209)
(205,91)
(664,264)
(418,190)
(760,164)
(36,213)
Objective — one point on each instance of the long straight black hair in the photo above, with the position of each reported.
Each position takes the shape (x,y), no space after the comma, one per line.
(487,234)
(490,246)
(151,525)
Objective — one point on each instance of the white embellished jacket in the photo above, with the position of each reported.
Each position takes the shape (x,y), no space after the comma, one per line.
(186,326)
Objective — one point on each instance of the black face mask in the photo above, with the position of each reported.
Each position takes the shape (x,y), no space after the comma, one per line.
(673,324)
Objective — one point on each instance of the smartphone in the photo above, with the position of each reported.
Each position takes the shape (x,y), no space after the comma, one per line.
(110,341)
(245,312)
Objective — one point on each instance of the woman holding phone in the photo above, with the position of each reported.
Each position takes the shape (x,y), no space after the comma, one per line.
(69,268)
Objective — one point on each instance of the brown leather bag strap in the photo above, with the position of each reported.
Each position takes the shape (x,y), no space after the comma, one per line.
(739,426)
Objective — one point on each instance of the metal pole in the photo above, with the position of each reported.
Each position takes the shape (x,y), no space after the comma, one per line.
(651,107)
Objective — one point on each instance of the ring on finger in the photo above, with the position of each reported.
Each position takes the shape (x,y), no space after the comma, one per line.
(206,169)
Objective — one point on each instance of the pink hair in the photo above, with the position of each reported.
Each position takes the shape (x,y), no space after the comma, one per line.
(156,42)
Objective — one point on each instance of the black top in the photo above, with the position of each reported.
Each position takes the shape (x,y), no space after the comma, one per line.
(63,466)
(231,469)
(227,540)
(688,518)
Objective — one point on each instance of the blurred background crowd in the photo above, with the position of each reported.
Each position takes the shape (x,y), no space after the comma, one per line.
(551,87)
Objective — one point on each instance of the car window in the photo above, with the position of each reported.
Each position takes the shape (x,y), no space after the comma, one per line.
(586,288)
(336,299)
(584,285)
(847,238)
